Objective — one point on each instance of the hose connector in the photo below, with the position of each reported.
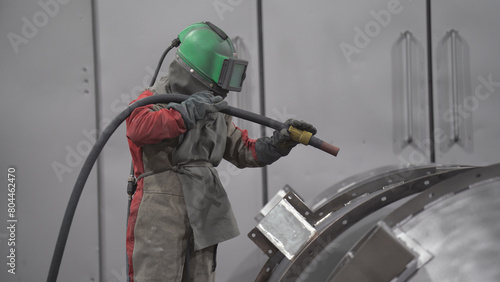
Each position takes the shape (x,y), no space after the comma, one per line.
(300,136)
(131,186)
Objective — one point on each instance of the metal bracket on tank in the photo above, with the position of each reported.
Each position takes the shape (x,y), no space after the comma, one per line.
(285,227)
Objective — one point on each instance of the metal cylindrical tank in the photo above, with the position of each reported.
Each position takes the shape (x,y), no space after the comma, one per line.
(427,223)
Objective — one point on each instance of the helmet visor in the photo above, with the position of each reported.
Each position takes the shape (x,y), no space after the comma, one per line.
(232,74)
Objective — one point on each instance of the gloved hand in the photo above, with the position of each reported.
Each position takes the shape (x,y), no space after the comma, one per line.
(270,149)
(197,106)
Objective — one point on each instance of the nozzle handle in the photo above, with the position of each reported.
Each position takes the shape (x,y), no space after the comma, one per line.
(299,135)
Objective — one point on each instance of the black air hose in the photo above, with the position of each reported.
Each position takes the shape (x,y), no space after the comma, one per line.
(106,134)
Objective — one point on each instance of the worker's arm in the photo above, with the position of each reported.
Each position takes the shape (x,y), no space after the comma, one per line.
(240,149)
(245,152)
(151,124)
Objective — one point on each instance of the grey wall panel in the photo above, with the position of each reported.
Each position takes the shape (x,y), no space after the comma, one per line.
(46,84)
(132,35)
(477,81)
(331,63)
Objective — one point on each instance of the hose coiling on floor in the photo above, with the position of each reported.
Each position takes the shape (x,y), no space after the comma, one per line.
(103,139)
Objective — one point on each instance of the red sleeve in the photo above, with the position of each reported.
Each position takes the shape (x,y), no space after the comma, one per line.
(145,126)
(249,143)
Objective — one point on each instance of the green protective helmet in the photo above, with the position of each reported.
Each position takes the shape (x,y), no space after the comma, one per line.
(209,54)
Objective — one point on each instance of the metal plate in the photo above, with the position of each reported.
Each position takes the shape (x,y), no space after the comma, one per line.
(285,227)
(379,256)
(273,202)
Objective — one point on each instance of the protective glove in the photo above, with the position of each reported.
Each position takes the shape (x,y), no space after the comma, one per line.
(197,106)
(270,149)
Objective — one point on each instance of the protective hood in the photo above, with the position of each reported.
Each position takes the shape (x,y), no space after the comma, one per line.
(182,82)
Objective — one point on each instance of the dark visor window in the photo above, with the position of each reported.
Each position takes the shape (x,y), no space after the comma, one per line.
(237,75)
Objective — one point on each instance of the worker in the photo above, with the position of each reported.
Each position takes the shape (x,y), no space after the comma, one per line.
(180,211)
